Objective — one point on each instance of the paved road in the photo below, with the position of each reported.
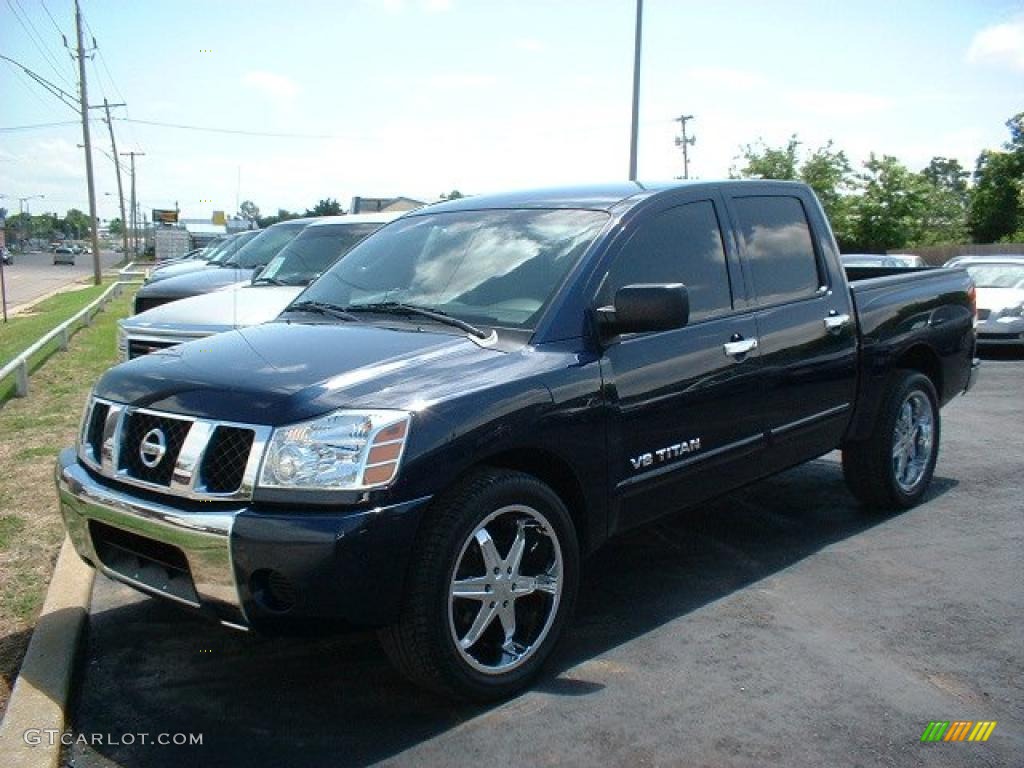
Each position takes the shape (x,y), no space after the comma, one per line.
(779,627)
(34,274)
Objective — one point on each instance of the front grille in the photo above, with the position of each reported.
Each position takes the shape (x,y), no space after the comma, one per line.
(138,348)
(94,432)
(142,303)
(225,459)
(202,459)
(136,426)
(983,314)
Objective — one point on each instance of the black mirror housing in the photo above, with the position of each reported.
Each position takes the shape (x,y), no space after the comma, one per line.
(646,308)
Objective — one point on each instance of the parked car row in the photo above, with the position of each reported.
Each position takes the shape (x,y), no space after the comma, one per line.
(430,435)
(299,261)
(1000,284)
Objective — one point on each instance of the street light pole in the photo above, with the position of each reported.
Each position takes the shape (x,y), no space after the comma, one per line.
(636,91)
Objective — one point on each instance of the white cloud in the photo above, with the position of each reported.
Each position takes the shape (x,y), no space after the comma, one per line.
(1000,44)
(837,103)
(724,77)
(276,86)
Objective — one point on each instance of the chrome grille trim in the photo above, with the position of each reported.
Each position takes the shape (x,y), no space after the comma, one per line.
(185,477)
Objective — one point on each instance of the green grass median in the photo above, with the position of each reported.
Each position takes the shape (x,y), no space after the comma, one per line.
(33,429)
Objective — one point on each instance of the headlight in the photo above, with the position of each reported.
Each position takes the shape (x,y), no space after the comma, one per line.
(1012,313)
(344,451)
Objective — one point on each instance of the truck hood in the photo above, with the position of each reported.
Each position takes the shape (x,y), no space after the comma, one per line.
(236,307)
(193,283)
(998,299)
(282,372)
(176,268)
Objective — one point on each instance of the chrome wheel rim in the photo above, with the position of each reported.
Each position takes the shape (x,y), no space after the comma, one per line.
(501,607)
(913,441)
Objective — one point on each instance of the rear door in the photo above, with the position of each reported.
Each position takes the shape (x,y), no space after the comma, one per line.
(682,426)
(805,326)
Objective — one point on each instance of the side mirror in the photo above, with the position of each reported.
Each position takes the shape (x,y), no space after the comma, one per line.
(645,308)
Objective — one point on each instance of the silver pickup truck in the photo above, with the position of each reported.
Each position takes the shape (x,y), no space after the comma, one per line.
(251,302)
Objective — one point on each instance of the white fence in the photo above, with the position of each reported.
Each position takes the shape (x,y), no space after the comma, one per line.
(19,366)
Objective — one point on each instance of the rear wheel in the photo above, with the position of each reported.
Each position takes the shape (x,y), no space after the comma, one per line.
(492,584)
(894,466)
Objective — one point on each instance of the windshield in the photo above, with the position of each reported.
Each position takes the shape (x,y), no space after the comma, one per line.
(313,251)
(228,249)
(997,275)
(266,245)
(496,267)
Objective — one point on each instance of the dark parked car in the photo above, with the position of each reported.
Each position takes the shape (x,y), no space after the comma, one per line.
(236,268)
(215,257)
(435,432)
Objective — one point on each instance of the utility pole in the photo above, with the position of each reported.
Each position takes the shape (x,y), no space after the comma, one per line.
(636,91)
(685,142)
(84,99)
(135,231)
(117,167)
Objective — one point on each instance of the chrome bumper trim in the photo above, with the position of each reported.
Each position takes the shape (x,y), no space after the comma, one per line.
(203,537)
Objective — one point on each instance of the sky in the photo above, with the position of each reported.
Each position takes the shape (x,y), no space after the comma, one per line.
(382,98)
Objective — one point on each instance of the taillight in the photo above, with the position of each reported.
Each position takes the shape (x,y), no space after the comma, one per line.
(972,296)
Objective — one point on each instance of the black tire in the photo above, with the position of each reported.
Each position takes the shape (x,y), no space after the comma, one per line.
(869,466)
(422,644)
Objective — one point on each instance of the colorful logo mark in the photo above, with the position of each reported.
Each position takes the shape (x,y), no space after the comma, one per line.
(958,730)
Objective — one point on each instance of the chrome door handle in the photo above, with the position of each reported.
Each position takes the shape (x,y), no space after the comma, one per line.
(741,347)
(836,322)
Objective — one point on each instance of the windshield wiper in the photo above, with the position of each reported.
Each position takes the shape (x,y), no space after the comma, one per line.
(322,308)
(400,308)
(269,280)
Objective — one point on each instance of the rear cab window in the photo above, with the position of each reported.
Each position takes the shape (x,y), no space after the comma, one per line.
(780,256)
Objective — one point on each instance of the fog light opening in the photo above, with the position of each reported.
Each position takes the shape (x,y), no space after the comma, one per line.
(272,590)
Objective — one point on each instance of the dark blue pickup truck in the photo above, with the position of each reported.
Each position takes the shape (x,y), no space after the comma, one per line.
(435,432)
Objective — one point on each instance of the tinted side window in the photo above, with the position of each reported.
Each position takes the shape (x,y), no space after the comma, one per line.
(778,246)
(680,245)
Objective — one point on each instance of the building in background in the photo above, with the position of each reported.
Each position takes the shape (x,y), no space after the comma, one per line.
(384,204)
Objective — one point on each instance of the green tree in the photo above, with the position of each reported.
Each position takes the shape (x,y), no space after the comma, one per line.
(76,224)
(827,171)
(326,207)
(116,226)
(764,162)
(895,207)
(249,211)
(453,195)
(997,209)
(282,215)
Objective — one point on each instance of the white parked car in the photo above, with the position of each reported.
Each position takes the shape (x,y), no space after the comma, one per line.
(252,302)
(999,281)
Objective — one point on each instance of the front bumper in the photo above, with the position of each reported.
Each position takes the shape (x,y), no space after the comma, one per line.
(996,330)
(242,566)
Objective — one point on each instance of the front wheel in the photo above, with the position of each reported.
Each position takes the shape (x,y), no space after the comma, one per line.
(894,466)
(492,584)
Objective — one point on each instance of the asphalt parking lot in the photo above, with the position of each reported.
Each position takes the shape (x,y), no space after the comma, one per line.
(34,274)
(779,626)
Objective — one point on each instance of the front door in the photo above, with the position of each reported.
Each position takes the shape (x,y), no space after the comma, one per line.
(682,427)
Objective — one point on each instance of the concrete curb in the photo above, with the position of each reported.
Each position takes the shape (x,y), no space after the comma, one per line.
(39,700)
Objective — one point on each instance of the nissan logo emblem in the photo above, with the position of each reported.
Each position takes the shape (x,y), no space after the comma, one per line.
(153,447)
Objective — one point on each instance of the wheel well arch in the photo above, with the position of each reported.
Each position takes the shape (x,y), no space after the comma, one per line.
(923,359)
(554,471)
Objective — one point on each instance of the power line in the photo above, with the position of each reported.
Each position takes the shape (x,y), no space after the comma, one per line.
(53,21)
(36,39)
(233,131)
(12,128)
